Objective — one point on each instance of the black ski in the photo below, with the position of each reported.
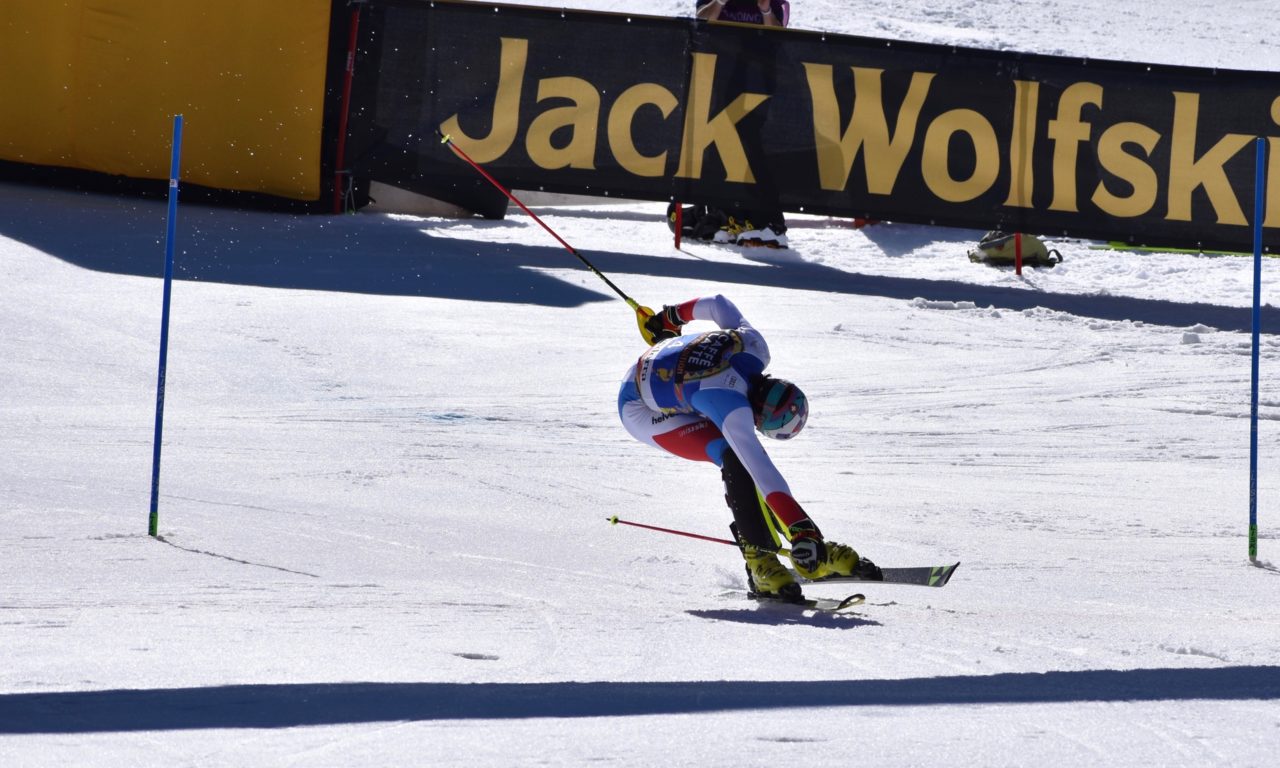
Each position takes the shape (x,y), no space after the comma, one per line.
(925,576)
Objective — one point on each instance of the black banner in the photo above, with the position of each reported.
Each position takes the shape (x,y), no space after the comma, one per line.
(726,114)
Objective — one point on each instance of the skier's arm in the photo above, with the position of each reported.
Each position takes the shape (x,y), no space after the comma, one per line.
(725,314)
(807,546)
(770,19)
(730,411)
(717,309)
(711,9)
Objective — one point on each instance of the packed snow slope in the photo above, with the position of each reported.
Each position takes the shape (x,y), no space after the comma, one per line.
(391,446)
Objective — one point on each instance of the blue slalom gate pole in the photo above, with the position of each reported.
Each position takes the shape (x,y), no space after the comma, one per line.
(1259,213)
(153,524)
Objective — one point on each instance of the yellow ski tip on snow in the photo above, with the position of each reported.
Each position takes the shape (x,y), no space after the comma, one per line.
(613,520)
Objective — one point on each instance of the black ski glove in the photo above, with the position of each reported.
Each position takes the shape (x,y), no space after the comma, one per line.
(664,325)
(808,550)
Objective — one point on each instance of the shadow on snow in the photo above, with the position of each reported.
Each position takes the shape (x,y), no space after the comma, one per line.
(286,706)
(778,615)
(383,255)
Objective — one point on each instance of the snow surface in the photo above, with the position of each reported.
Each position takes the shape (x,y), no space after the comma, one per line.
(391,446)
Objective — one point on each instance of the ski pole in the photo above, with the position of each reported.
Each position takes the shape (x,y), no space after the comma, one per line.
(642,313)
(615,520)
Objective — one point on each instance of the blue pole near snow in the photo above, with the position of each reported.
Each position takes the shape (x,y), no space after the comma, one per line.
(164,323)
(1259,213)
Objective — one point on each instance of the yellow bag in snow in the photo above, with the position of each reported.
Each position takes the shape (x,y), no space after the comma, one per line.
(999,249)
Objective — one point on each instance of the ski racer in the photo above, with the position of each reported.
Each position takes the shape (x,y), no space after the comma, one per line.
(702,397)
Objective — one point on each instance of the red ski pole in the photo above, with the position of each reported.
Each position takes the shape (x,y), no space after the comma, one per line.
(643,313)
(615,520)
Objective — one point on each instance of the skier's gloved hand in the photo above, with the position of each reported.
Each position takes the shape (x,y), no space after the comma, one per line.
(808,550)
(663,325)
